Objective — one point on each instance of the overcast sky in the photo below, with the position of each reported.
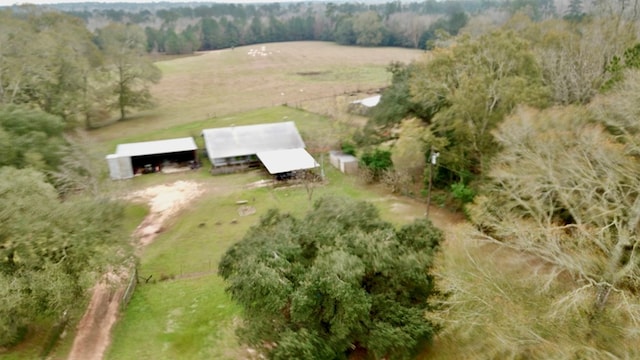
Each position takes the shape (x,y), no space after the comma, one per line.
(14,2)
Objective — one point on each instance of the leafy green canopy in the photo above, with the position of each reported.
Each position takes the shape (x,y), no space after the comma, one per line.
(48,60)
(49,250)
(471,88)
(377,162)
(336,281)
(30,138)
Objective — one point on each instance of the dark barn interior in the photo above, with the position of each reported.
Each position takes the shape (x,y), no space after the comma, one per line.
(155,162)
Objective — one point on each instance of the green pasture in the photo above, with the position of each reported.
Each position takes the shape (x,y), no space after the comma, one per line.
(220,84)
(190,318)
(180,308)
(182,311)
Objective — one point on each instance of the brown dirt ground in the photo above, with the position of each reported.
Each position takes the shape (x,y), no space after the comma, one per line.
(94,329)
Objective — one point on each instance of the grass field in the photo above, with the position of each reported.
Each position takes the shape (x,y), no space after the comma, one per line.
(315,76)
(182,311)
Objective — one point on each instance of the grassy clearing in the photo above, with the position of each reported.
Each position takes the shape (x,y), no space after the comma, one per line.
(186,319)
(182,262)
(220,83)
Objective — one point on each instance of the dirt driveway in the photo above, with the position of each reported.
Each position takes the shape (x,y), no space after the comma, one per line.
(94,329)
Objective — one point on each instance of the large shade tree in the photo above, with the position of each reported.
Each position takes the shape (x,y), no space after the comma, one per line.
(126,60)
(47,59)
(30,138)
(337,281)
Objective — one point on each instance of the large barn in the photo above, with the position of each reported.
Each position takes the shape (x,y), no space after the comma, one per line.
(277,146)
(133,158)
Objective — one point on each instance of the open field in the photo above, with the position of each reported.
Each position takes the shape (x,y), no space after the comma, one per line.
(316,76)
(182,311)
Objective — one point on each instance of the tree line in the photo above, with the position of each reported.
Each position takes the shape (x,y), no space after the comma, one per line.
(181,30)
(535,123)
(59,228)
(52,61)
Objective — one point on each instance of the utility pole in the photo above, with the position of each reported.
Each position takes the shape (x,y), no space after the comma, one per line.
(433,161)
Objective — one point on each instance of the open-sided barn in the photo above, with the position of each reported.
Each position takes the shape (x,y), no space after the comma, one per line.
(278,146)
(132,158)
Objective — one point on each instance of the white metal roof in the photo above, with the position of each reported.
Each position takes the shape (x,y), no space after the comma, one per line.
(370,101)
(280,161)
(156,147)
(251,139)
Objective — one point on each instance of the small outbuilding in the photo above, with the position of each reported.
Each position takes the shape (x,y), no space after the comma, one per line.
(150,156)
(278,146)
(347,164)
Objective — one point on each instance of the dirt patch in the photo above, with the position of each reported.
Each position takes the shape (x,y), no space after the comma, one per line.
(260,184)
(165,201)
(412,209)
(94,329)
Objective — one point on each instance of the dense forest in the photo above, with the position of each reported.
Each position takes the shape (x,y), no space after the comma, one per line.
(184,28)
(534,125)
(531,107)
(59,226)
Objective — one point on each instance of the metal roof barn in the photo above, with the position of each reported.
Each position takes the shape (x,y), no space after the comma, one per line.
(156,147)
(281,161)
(226,146)
(132,155)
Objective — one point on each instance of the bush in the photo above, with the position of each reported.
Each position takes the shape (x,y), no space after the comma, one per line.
(377,161)
(349,148)
(462,192)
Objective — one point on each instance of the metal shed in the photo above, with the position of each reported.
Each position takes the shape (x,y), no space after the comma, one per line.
(282,161)
(348,164)
(130,157)
(240,145)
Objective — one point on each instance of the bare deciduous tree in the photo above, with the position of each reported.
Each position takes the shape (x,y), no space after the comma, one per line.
(566,191)
(573,57)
